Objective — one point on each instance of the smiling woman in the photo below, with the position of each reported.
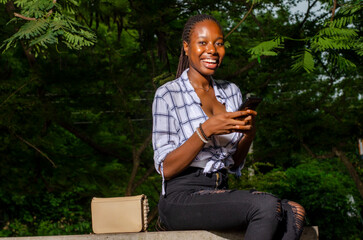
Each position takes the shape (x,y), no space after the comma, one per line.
(199,136)
(205,49)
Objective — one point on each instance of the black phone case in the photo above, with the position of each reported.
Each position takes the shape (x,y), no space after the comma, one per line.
(250,103)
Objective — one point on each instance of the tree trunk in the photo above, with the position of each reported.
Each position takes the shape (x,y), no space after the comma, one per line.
(353,173)
(10,8)
(136,163)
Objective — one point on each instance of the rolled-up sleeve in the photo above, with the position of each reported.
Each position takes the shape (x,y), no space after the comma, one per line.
(165,137)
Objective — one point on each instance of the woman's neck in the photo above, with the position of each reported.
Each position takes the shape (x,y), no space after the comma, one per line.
(198,80)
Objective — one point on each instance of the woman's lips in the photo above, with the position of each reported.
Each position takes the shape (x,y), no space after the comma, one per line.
(210,63)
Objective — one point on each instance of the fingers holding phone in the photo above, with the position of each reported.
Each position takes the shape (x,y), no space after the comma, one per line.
(242,120)
(248,115)
(247,119)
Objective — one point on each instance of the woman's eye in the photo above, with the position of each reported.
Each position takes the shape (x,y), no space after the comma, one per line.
(220,44)
(202,43)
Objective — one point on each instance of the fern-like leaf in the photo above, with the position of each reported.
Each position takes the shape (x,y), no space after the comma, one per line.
(341,62)
(34,8)
(49,37)
(304,60)
(322,44)
(358,47)
(253,1)
(346,15)
(267,47)
(74,41)
(338,32)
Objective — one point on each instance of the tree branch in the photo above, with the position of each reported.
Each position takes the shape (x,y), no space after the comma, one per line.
(244,69)
(333,10)
(258,24)
(144,145)
(243,19)
(34,19)
(10,8)
(307,13)
(325,156)
(17,90)
(136,163)
(88,140)
(144,178)
(23,17)
(36,149)
(153,213)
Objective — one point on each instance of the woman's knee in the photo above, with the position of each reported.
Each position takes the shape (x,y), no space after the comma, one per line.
(298,212)
(267,206)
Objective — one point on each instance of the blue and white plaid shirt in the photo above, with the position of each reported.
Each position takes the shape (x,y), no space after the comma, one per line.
(176,115)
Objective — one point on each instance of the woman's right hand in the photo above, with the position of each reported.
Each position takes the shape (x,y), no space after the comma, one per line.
(224,123)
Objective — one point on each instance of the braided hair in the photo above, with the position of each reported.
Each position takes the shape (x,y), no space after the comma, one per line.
(187,32)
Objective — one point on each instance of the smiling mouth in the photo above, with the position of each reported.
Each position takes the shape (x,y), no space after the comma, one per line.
(210,63)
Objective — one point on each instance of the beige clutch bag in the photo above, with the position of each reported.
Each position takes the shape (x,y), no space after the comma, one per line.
(119,214)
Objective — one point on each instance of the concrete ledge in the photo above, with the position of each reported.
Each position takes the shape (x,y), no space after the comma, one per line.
(310,233)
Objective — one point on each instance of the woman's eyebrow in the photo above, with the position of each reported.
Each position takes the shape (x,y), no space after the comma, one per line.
(203,36)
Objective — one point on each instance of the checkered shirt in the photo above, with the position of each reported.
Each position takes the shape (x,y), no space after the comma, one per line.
(177,113)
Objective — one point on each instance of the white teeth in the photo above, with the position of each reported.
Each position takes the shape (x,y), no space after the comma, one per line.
(209,60)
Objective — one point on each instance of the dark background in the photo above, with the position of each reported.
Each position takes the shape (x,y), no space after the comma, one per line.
(75,108)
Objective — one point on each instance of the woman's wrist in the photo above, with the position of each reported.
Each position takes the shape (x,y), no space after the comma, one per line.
(202,132)
(205,130)
(200,135)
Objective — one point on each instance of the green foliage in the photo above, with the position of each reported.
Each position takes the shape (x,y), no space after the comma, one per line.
(336,35)
(334,38)
(34,8)
(48,215)
(90,110)
(267,48)
(163,78)
(323,187)
(254,1)
(52,26)
(342,62)
(346,14)
(304,60)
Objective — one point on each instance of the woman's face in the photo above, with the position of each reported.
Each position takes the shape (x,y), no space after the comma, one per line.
(206,48)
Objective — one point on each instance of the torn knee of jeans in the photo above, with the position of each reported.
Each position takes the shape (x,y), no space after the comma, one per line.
(255,192)
(279,212)
(210,191)
(299,216)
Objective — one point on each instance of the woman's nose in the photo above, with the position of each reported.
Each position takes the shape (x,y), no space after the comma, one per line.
(211,48)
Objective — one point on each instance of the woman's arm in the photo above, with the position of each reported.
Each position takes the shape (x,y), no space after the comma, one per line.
(224,123)
(181,157)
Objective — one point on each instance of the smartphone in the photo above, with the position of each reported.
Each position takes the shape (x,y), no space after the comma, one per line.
(250,103)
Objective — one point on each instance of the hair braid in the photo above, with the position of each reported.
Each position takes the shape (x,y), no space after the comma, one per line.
(187,32)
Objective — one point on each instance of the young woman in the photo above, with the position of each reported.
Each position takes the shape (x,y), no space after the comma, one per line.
(199,136)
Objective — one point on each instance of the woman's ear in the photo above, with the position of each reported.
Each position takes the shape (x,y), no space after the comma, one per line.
(186,47)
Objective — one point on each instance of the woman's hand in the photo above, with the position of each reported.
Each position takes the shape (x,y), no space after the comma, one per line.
(250,119)
(224,123)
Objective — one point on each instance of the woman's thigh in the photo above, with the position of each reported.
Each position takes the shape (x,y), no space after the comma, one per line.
(216,209)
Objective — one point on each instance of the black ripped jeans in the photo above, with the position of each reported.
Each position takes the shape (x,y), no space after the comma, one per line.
(195,200)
